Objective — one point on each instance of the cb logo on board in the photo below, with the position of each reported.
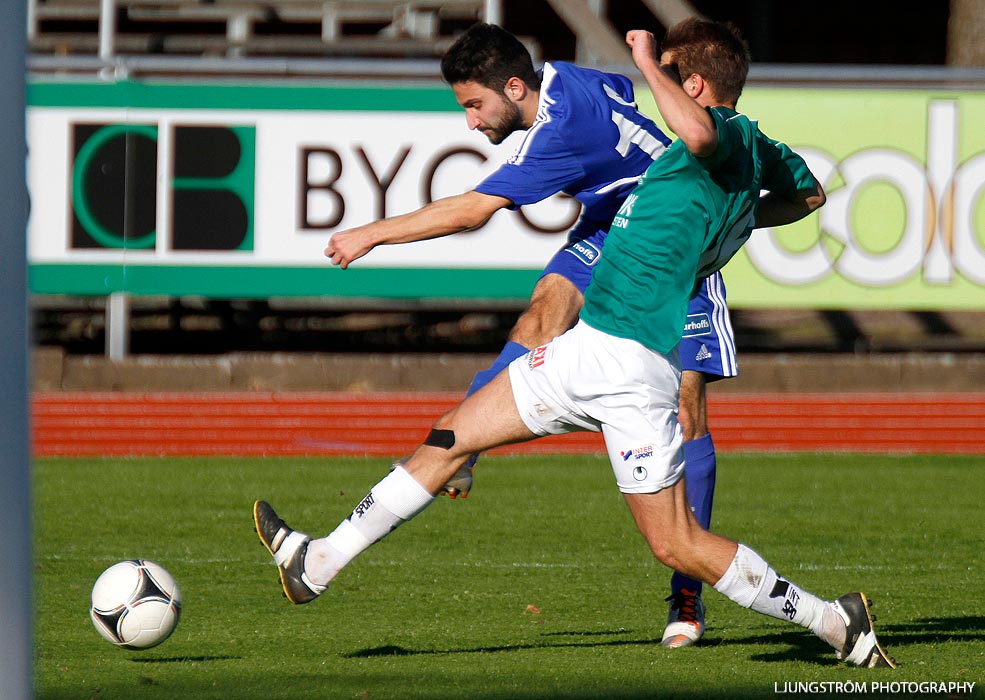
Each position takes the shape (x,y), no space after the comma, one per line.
(208,172)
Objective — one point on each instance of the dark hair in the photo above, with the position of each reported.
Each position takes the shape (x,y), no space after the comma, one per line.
(488,55)
(714,50)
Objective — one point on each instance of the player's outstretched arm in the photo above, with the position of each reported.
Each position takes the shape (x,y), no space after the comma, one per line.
(679,109)
(774,210)
(439,218)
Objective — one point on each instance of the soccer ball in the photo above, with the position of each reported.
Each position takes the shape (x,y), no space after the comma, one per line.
(135,604)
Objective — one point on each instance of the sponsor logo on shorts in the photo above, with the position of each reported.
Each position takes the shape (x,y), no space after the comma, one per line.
(639,473)
(585,251)
(703,353)
(637,453)
(697,324)
(537,357)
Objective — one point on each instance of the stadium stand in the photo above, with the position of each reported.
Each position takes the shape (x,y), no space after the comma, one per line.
(404,28)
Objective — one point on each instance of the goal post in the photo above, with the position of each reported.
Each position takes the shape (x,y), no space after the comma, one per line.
(16,637)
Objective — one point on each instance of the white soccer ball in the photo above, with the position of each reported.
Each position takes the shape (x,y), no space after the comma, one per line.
(135,604)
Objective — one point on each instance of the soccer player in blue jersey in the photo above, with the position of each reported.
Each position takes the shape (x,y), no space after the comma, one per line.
(585,137)
(618,370)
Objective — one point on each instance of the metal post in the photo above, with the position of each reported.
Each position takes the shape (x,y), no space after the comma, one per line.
(32,19)
(330,22)
(117,326)
(238,29)
(107,29)
(493,12)
(16,668)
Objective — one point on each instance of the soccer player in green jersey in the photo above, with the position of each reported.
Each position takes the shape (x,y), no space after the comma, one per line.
(618,371)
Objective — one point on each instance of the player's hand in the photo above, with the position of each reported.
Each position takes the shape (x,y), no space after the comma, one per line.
(346,246)
(643,45)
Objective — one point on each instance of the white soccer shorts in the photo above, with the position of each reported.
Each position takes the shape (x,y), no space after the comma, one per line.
(586,380)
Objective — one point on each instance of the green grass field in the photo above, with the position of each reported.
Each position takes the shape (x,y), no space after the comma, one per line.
(441,608)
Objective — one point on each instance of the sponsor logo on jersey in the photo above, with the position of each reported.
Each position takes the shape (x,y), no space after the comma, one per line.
(697,324)
(637,453)
(703,354)
(621,219)
(537,357)
(627,206)
(585,251)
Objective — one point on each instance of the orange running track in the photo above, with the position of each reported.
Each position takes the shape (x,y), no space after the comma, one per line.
(392,424)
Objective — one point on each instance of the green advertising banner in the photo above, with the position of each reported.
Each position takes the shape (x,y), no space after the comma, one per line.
(232,190)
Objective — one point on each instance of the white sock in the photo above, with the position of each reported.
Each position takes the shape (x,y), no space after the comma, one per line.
(397,498)
(752,583)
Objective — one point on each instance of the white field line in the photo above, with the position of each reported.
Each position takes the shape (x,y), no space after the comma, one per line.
(205,561)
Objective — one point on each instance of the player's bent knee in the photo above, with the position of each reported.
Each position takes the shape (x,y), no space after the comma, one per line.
(438,437)
(666,555)
(444,437)
(675,550)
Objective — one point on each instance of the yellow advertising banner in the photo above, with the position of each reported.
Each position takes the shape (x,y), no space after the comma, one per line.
(904,224)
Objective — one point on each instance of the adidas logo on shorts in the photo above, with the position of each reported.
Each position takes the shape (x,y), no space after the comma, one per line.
(703,353)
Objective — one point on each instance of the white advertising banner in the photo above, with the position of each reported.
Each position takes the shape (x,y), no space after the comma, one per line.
(233,191)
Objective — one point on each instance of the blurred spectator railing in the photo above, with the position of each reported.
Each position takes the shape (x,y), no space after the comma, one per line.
(257,27)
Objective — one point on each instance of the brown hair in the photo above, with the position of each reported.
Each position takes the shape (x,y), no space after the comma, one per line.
(714,50)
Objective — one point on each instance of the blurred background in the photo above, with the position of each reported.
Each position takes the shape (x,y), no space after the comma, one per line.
(190,158)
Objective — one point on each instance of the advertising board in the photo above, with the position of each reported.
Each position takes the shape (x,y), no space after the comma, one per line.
(226,190)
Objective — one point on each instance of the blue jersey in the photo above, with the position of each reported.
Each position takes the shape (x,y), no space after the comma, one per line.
(588,140)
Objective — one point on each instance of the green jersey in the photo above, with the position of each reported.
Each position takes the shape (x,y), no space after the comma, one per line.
(685,220)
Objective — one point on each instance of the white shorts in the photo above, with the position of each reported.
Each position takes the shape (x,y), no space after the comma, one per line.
(586,380)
